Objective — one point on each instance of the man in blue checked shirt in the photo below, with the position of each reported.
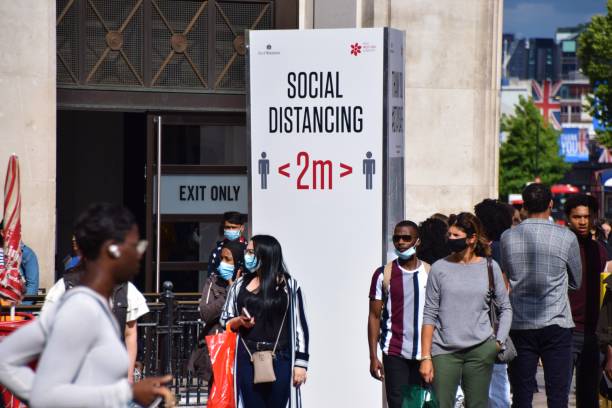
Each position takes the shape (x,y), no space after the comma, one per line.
(542,261)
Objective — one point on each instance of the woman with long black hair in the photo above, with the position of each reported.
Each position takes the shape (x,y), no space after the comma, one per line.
(266,308)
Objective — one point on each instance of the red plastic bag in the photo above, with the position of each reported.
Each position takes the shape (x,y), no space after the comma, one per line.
(222,349)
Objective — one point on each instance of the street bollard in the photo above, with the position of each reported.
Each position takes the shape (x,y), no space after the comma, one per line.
(168,299)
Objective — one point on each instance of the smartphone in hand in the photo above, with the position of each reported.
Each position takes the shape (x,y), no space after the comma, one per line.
(156,402)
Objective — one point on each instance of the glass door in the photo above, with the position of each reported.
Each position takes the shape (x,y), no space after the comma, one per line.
(203,174)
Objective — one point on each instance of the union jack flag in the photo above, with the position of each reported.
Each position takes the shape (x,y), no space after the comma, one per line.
(605,156)
(544,99)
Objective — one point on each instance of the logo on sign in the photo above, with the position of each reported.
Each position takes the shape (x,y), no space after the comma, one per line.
(268,51)
(355,49)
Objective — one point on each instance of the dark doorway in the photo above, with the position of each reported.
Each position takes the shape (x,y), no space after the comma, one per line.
(101,156)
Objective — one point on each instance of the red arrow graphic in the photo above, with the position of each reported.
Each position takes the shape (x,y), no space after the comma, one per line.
(347,169)
(281,170)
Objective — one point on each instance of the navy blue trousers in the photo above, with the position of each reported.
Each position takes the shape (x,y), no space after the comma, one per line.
(268,395)
(553,344)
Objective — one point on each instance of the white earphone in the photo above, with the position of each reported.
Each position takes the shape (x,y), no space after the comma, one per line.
(114,252)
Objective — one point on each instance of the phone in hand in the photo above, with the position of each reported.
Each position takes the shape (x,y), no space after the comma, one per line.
(156,402)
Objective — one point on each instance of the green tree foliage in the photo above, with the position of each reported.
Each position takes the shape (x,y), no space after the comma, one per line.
(531,150)
(595,55)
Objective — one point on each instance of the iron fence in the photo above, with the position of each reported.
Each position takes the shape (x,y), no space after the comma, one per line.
(167,336)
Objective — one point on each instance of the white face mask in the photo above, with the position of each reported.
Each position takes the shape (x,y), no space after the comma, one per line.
(407,254)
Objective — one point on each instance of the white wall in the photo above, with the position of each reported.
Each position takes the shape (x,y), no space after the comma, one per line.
(27,118)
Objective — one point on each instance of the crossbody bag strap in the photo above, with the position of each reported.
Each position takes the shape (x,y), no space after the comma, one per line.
(492,315)
(277,337)
(490,275)
(281,326)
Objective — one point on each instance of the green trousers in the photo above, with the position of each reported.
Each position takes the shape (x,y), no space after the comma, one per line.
(472,367)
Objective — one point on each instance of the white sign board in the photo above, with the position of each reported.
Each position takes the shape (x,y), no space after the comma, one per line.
(203,193)
(319,147)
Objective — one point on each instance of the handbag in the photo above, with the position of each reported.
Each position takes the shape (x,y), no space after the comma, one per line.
(263,361)
(416,396)
(508,351)
(222,349)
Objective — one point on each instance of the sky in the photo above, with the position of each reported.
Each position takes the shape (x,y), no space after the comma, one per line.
(540,18)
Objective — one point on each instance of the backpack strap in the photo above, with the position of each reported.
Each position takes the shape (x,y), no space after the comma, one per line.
(120,306)
(387,270)
(72,278)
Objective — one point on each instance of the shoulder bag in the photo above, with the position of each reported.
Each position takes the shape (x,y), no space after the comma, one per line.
(263,361)
(508,351)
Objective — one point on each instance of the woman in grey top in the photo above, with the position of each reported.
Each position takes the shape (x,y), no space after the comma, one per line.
(458,342)
(82,360)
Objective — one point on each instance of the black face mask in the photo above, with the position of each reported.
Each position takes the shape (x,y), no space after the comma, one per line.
(456,245)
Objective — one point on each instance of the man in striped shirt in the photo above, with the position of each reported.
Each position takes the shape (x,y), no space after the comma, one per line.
(397,299)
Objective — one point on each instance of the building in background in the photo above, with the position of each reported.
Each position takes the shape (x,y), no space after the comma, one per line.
(543,60)
(553,79)
(567,39)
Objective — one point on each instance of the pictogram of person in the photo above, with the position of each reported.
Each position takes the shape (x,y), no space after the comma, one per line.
(264,170)
(369,169)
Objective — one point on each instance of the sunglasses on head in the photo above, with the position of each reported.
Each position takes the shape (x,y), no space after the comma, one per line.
(397,238)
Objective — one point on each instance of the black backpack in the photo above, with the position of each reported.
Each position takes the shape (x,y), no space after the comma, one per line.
(120,303)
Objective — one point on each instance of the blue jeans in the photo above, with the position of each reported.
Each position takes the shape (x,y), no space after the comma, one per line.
(499,390)
(268,395)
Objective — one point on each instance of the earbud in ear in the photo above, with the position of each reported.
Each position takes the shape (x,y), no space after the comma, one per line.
(114,252)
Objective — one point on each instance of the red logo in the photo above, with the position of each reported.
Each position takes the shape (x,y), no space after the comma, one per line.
(355,49)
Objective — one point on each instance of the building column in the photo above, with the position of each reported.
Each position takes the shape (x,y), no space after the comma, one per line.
(453,74)
(27,119)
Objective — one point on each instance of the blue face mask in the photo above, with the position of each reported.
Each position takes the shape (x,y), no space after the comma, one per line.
(407,254)
(251,262)
(226,271)
(231,234)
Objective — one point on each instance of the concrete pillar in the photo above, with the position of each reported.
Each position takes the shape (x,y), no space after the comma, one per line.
(453,60)
(27,118)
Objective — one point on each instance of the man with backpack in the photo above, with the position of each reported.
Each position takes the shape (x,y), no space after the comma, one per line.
(397,299)
(127,304)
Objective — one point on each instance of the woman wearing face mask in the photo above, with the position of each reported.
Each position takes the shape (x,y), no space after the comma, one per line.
(82,360)
(213,298)
(266,308)
(458,342)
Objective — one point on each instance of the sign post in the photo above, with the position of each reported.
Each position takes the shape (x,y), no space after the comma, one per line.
(326,123)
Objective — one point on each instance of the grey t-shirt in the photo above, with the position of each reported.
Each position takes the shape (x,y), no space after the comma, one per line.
(456,303)
(83,362)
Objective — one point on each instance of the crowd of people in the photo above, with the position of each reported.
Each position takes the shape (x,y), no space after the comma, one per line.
(84,340)
(475,301)
(470,307)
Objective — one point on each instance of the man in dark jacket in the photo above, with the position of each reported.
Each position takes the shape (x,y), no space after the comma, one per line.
(580,209)
(232,229)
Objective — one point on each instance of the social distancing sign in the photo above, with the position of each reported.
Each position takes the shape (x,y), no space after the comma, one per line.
(326,179)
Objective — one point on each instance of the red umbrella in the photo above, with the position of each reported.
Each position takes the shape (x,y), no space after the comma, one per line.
(12,284)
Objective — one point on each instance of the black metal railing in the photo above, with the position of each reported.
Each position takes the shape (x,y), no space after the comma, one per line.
(167,336)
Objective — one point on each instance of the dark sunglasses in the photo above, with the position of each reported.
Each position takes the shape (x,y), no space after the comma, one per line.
(406,238)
